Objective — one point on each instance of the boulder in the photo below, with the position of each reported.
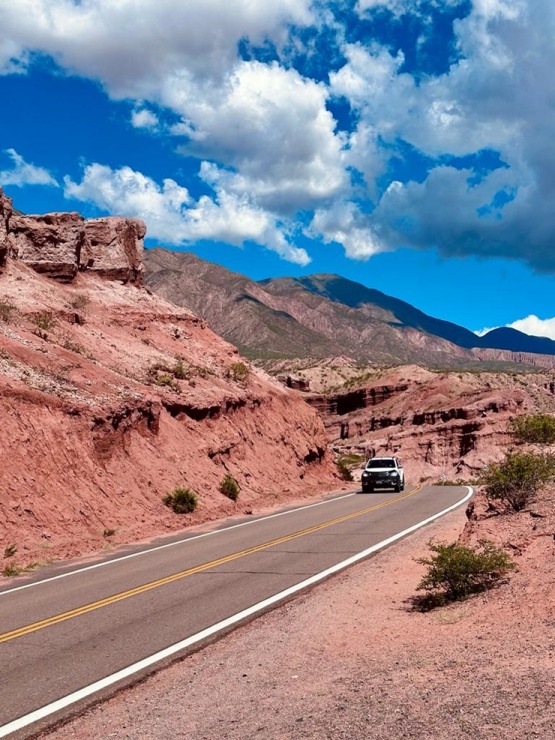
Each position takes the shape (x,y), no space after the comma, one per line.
(50,244)
(114,248)
(60,244)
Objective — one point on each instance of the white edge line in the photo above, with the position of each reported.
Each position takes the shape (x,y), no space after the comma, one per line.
(171,544)
(83,693)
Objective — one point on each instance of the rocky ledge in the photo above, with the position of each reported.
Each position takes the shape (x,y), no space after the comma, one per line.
(60,245)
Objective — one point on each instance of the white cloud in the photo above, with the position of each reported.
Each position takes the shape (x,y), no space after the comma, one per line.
(535,326)
(272,142)
(22,173)
(144,118)
(133,45)
(172,216)
(271,125)
(344,224)
(531,325)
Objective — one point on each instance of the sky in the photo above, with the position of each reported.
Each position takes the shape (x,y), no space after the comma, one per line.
(404,144)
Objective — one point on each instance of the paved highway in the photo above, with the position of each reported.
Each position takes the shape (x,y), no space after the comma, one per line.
(74,633)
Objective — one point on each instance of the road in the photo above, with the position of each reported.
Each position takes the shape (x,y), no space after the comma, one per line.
(74,634)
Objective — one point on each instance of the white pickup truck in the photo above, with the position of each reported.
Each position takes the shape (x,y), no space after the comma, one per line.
(383,472)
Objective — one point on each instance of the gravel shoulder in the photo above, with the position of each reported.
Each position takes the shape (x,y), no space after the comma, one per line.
(350,659)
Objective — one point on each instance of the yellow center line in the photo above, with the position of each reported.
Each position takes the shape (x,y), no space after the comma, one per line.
(56,619)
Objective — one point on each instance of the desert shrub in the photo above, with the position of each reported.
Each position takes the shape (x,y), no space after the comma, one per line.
(534,428)
(239,371)
(10,551)
(6,310)
(11,570)
(45,320)
(229,487)
(166,380)
(108,532)
(344,469)
(181,500)
(516,479)
(455,572)
(79,301)
(179,370)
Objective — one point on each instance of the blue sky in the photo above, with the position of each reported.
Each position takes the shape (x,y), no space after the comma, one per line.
(405,144)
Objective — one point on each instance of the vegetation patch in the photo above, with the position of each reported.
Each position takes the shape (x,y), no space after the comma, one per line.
(229,487)
(7,310)
(517,479)
(534,428)
(10,551)
(456,572)
(239,372)
(344,469)
(181,500)
(79,301)
(45,321)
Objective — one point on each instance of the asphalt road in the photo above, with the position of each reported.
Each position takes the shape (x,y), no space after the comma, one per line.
(71,627)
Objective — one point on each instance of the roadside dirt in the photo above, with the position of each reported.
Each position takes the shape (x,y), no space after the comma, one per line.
(351,659)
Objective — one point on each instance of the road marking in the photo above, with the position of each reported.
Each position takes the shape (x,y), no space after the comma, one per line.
(93,606)
(151,660)
(173,544)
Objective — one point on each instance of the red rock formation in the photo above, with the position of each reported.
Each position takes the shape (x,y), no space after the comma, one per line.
(114,248)
(61,244)
(111,397)
(441,424)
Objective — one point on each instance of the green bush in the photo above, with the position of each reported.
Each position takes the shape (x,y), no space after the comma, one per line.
(455,572)
(239,371)
(45,320)
(182,500)
(180,371)
(229,487)
(344,470)
(534,428)
(516,479)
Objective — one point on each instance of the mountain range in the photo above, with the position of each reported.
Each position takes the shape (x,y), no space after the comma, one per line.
(325,315)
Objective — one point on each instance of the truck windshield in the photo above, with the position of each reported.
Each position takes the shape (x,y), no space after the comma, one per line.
(380,464)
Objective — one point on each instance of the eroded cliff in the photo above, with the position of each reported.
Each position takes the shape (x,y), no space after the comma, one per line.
(111,397)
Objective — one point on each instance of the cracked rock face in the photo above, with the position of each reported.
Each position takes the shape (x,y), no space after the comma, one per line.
(59,245)
(5,213)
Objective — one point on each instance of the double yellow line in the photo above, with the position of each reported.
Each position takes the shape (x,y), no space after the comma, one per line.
(56,619)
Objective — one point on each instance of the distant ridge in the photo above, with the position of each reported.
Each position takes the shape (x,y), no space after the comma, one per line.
(324,315)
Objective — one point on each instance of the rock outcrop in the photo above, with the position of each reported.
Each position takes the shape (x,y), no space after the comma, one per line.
(446,425)
(110,398)
(59,245)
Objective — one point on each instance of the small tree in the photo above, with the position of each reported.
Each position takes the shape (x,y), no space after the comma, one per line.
(456,571)
(181,500)
(229,487)
(534,428)
(516,479)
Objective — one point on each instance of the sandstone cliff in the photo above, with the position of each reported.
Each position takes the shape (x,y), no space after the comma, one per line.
(111,397)
(442,424)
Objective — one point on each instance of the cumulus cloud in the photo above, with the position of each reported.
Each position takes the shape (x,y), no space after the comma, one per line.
(532,325)
(23,173)
(145,119)
(272,127)
(273,145)
(535,326)
(172,216)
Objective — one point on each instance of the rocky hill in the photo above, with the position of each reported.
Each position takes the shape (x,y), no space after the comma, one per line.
(442,424)
(111,397)
(327,316)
